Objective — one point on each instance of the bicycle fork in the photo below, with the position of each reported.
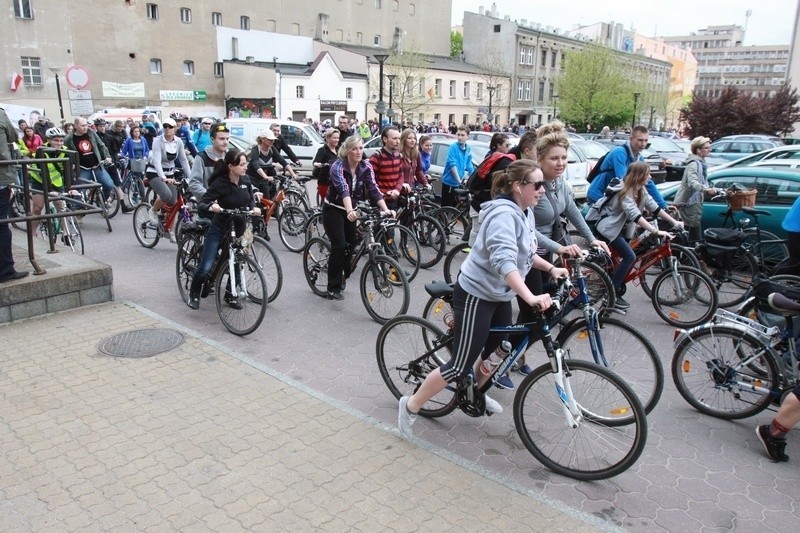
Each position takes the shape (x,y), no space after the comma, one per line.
(572,413)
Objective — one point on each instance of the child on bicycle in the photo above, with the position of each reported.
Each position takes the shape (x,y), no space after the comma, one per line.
(494,271)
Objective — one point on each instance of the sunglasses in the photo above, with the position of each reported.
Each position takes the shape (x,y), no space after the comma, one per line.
(536,184)
(170,126)
(206,123)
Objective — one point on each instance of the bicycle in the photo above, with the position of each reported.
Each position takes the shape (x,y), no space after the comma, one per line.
(577,418)
(383,284)
(592,336)
(428,231)
(455,221)
(170,219)
(64,229)
(96,196)
(133,180)
(735,367)
(241,305)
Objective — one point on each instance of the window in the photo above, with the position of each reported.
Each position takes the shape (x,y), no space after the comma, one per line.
(466,90)
(244,22)
(421,117)
(465,119)
(528,85)
(452,88)
(152,11)
(395,5)
(188,68)
(409,86)
(186,15)
(376,40)
(497,28)
(522,55)
(218,70)
(541,91)
(544,58)
(412,10)
(23,9)
(348,93)
(438,88)
(378,4)
(530,56)
(422,87)
(32,71)
(479,92)
(300,91)
(437,117)
(359,37)
(216,18)
(553,56)
(155,66)
(552,89)
(520,89)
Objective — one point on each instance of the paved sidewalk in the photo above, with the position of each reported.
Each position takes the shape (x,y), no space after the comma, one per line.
(196,439)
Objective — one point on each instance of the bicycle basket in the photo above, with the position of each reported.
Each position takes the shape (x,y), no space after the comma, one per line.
(739,199)
(138,165)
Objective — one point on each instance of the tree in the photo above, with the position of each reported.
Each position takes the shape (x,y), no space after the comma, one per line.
(493,71)
(738,112)
(412,89)
(456,44)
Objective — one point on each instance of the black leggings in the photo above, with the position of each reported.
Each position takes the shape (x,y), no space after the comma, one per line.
(473,318)
(342,234)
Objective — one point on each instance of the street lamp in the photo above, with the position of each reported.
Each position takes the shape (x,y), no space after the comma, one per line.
(390,112)
(56,70)
(380,105)
(555,102)
(635,100)
(489,116)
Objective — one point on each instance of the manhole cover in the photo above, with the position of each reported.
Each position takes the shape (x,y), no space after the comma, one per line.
(141,343)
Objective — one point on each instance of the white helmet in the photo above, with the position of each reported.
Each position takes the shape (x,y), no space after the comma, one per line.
(54,132)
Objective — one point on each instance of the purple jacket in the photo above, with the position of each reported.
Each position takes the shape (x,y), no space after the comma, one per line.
(360,187)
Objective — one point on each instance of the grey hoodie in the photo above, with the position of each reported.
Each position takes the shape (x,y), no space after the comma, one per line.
(505,242)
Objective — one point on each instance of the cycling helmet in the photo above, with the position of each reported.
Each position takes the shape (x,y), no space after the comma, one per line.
(100,122)
(54,132)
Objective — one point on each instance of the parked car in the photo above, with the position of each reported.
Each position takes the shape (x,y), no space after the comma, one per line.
(777,188)
(674,156)
(237,143)
(373,145)
(779,153)
(753,137)
(731,150)
(302,138)
(486,136)
(685,144)
(658,165)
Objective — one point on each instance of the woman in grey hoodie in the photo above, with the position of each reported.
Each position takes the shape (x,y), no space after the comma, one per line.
(493,273)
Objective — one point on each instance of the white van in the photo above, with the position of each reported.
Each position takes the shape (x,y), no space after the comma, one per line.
(301,138)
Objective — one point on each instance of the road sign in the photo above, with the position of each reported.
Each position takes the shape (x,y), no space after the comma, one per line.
(77,77)
(77,94)
(81,107)
(380,107)
(390,113)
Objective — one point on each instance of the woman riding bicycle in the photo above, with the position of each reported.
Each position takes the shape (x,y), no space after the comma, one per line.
(323,160)
(624,203)
(263,160)
(491,275)
(351,180)
(226,190)
(167,150)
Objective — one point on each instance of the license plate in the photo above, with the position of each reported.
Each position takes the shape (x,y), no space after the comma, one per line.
(654,167)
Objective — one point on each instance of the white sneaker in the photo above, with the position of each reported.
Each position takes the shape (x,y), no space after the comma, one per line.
(405,418)
(153,217)
(492,406)
(172,238)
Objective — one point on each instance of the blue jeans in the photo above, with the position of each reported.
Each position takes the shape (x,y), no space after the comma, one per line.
(213,238)
(628,258)
(100,175)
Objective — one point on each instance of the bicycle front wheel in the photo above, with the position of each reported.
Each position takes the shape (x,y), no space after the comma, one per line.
(431,238)
(385,292)
(452,263)
(136,192)
(270,265)
(291,228)
(603,438)
(242,302)
(408,349)
(616,345)
(71,234)
(400,244)
(725,373)
(685,256)
(146,232)
(684,297)
(186,262)
(454,222)
(316,255)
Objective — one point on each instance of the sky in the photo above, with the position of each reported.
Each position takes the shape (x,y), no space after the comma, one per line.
(771,22)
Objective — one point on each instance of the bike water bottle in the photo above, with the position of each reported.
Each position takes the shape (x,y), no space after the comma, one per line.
(501,352)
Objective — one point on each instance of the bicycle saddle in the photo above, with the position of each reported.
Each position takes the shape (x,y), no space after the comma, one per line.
(783,305)
(751,211)
(439,289)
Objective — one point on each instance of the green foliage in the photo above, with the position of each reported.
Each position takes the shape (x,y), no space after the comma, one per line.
(596,89)
(456,44)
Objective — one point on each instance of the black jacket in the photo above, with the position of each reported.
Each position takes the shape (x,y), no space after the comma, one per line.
(280,144)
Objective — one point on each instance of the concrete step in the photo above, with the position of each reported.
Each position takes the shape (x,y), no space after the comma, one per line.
(70,280)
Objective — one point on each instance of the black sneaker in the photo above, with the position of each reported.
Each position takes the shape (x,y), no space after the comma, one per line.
(335,295)
(774,447)
(194,301)
(621,304)
(233,302)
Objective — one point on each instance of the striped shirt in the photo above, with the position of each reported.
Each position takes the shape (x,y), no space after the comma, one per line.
(387,170)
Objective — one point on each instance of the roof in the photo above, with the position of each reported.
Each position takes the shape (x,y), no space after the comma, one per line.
(433,62)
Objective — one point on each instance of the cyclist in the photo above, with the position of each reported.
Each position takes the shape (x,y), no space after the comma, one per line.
(167,150)
(226,190)
(202,135)
(491,275)
(92,155)
(114,144)
(457,168)
(624,203)
(386,165)
(352,180)
(263,160)
(135,146)
(54,171)
(323,160)
(411,172)
(203,164)
(282,146)
(694,185)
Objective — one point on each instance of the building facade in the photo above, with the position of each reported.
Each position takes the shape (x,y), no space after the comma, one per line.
(723,61)
(165,53)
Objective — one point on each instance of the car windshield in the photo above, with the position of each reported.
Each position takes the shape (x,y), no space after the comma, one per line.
(660,144)
(591,149)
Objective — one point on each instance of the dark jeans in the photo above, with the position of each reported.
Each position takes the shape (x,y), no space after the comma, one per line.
(342,234)
(6,258)
(213,238)
(100,175)
(628,258)
(790,265)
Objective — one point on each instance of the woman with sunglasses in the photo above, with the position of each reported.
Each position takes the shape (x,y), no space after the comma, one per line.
(493,272)
(161,170)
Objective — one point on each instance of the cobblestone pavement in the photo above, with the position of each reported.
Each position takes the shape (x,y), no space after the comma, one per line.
(697,473)
(194,439)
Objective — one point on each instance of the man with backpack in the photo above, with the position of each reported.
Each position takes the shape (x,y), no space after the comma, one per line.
(203,164)
(615,165)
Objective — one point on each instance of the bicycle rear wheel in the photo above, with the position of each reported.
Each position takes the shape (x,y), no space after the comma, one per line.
(270,265)
(610,429)
(408,348)
(454,223)
(400,244)
(385,292)
(685,297)
(186,261)
(136,191)
(773,252)
(431,238)
(316,255)
(291,228)
(242,314)
(452,263)
(619,347)
(314,226)
(146,233)
(715,369)
(685,256)
(438,311)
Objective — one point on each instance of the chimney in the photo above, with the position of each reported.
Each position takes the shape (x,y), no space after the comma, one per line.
(250,59)
(480,10)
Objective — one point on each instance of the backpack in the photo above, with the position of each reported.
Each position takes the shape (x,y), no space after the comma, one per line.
(596,169)
(595,212)
(477,182)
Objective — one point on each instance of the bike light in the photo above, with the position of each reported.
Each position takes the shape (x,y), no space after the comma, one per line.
(677,333)
(438,307)
(583,335)
(620,411)
(686,367)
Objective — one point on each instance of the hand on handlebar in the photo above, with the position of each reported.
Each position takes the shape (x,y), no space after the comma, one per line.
(256,211)
(559,273)
(540,301)
(572,250)
(597,243)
